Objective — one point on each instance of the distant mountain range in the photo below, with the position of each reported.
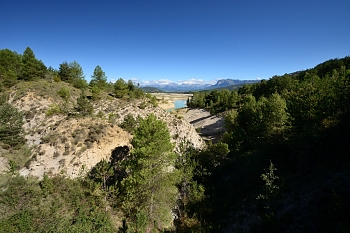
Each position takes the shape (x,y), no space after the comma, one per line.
(175,87)
(151,89)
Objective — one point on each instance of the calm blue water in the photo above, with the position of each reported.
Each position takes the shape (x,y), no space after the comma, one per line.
(180,104)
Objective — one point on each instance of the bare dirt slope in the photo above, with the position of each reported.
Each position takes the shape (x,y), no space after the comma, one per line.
(208,126)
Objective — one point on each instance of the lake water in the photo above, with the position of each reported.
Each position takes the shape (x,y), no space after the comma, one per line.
(178,104)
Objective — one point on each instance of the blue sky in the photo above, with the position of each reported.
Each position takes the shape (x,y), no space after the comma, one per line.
(179,40)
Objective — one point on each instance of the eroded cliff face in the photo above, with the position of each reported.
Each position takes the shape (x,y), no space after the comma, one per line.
(180,130)
(73,145)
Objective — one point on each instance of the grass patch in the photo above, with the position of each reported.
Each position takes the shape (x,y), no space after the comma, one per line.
(19,156)
(46,89)
(53,109)
(51,138)
(4,178)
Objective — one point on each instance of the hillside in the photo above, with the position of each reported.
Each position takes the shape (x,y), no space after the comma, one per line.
(288,165)
(151,90)
(67,144)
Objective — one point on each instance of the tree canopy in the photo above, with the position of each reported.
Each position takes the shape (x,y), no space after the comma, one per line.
(32,67)
(150,186)
(99,78)
(72,73)
(11,122)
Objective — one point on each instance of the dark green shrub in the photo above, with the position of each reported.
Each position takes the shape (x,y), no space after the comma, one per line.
(64,93)
(11,121)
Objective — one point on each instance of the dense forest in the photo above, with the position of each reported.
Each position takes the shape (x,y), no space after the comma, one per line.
(281,166)
(297,126)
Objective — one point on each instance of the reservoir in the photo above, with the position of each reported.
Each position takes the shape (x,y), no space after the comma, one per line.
(180,104)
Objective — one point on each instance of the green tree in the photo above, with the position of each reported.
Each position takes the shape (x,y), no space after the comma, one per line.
(134,91)
(129,123)
(270,178)
(76,71)
(10,67)
(269,191)
(99,78)
(213,156)
(32,68)
(64,93)
(275,116)
(11,122)
(84,107)
(64,72)
(120,88)
(197,101)
(150,187)
(131,86)
(77,75)
(72,73)
(96,93)
(257,122)
(102,172)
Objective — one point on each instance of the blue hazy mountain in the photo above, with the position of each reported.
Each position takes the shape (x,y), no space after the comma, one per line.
(175,87)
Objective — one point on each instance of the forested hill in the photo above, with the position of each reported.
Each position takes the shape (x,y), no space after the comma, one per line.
(221,100)
(294,130)
(151,90)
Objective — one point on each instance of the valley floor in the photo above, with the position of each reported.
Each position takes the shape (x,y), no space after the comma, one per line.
(166,100)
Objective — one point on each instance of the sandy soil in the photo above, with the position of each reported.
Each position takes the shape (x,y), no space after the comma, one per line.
(209,127)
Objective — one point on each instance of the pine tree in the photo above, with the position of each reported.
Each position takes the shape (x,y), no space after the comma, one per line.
(72,73)
(84,107)
(32,68)
(77,75)
(10,67)
(64,72)
(150,187)
(99,78)
(11,121)
(120,88)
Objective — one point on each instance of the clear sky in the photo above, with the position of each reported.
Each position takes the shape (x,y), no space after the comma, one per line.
(179,40)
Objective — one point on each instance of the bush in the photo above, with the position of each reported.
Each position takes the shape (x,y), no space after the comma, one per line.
(64,93)
(129,123)
(143,105)
(112,117)
(84,107)
(53,205)
(54,109)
